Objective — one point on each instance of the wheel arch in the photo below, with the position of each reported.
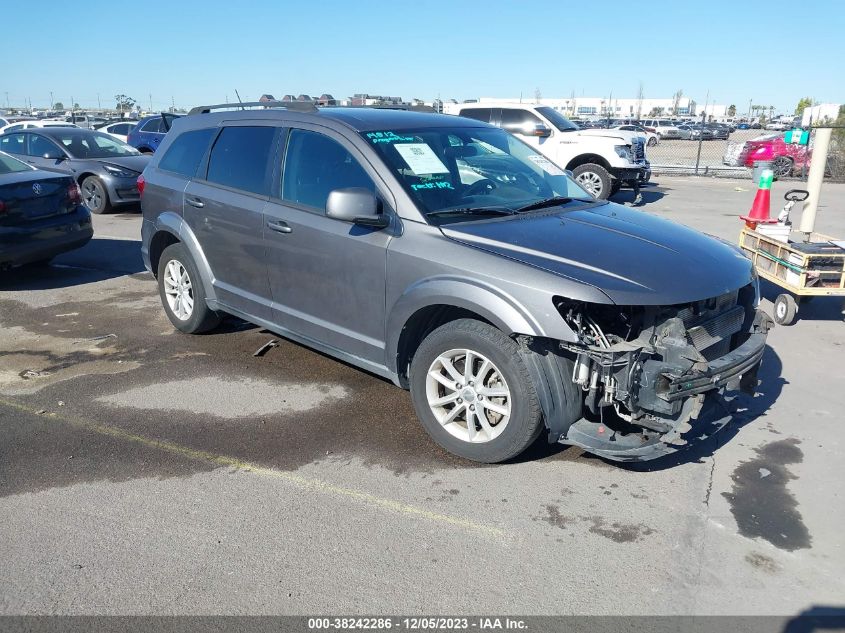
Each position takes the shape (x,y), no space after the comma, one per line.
(169,228)
(434,302)
(584,159)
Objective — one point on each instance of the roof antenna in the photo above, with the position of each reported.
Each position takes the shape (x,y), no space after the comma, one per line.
(239,98)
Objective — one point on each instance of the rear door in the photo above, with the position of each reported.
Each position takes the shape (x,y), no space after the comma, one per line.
(327,277)
(225,209)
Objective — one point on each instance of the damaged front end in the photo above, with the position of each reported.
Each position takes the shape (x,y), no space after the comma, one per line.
(650,374)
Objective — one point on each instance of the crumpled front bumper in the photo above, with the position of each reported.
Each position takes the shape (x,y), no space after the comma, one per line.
(697,400)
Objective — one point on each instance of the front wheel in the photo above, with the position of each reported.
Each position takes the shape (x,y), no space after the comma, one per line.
(595,179)
(473,394)
(782,166)
(95,195)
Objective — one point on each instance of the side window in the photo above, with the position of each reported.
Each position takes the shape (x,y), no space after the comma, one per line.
(153,125)
(519,120)
(12,143)
(315,165)
(40,146)
(120,128)
(240,158)
(18,126)
(186,152)
(479,114)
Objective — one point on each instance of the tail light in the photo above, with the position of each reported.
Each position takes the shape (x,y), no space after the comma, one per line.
(2,207)
(141,183)
(74,194)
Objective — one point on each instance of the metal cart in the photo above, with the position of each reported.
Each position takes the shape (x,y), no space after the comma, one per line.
(815,268)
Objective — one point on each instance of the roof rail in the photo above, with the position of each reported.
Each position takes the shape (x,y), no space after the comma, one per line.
(299,106)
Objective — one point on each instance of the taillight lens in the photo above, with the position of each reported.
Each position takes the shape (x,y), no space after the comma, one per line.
(74,194)
(141,183)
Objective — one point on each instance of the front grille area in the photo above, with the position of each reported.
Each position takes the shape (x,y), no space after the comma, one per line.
(711,323)
(638,150)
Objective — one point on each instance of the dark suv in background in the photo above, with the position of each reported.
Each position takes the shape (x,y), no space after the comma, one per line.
(148,134)
(451,258)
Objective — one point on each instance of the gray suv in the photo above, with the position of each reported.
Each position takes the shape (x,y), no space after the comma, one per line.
(449,257)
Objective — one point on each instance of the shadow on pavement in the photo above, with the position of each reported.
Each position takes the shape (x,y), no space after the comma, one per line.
(626,196)
(100,259)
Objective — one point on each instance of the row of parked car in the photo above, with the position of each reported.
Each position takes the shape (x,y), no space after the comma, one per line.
(667,129)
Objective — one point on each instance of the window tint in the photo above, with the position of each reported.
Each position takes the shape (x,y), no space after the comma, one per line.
(12,143)
(519,120)
(12,128)
(153,125)
(240,157)
(479,114)
(120,128)
(315,165)
(186,152)
(40,146)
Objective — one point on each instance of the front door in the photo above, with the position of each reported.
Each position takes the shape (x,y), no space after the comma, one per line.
(225,211)
(327,277)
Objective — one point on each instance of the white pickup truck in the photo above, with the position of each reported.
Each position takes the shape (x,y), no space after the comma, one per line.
(600,160)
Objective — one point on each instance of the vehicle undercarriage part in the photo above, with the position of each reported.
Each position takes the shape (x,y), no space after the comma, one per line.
(644,375)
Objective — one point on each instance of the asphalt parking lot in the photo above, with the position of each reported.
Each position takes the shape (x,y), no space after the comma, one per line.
(144,471)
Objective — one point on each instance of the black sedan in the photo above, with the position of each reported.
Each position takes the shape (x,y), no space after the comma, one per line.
(41,214)
(105,168)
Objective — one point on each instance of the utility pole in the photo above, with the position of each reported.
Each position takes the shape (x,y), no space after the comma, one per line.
(99,107)
(7,99)
(151,102)
(172,104)
(51,100)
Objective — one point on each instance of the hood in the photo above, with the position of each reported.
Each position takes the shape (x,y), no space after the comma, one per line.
(634,258)
(612,134)
(135,163)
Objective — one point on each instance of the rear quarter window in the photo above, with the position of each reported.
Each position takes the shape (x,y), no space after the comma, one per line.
(479,114)
(186,152)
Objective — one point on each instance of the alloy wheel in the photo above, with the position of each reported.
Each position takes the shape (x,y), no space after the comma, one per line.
(178,290)
(591,182)
(468,395)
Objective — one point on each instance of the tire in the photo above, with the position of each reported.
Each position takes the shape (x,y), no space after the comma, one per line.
(95,195)
(510,422)
(652,141)
(194,317)
(595,179)
(782,166)
(786,309)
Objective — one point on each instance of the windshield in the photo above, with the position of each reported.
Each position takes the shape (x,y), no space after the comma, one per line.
(9,165)
(557,119)
(465,169)
(86,144)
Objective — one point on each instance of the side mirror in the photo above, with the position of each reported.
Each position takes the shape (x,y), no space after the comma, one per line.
(54,155)
(356,205)
(539,130)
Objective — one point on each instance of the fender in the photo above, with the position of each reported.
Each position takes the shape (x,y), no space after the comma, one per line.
(488,301)
(173,223)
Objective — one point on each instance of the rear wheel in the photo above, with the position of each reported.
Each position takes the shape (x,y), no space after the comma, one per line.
(182,292)
(472,392)
(95,195)
(595,179)
(652,141)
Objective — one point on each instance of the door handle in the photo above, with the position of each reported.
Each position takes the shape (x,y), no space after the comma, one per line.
(279,226)
(195,202)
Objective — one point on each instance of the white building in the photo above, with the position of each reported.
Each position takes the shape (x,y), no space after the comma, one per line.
(820,113)
(588,107)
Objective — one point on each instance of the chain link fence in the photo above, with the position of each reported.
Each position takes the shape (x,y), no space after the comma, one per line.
(734,156)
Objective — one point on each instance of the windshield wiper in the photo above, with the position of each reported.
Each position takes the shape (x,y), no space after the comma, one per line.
(550,202)
(472,211)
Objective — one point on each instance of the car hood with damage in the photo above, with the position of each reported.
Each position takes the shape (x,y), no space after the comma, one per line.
(633,257)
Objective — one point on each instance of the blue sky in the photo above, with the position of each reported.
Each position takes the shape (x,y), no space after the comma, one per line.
(199,52)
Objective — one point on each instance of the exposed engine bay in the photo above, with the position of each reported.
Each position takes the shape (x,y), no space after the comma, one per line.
(648,373)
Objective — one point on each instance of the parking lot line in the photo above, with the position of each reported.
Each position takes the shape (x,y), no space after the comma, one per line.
(314,485)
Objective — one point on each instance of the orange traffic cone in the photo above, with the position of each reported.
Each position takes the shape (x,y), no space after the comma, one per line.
(759,213)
